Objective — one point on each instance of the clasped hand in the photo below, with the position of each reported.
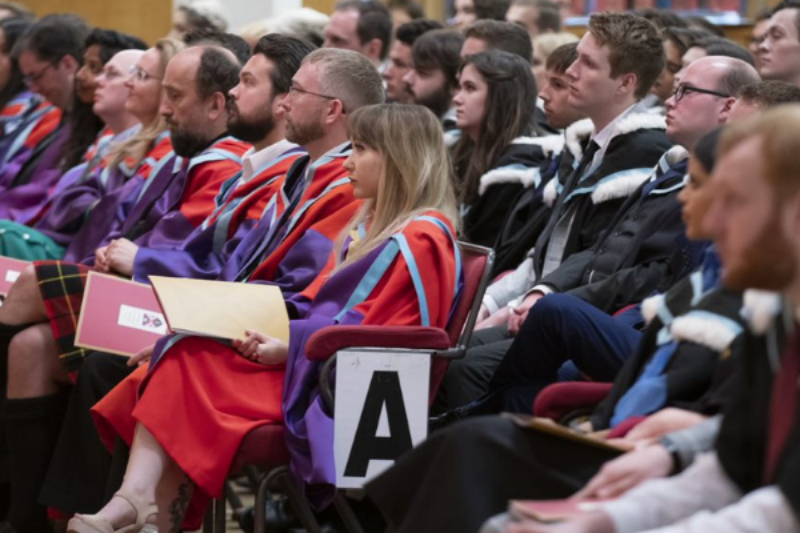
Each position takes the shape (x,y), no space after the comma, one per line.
(262,349)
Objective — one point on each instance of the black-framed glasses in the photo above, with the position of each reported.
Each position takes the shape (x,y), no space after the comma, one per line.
(684,88)
(30,79)
(295,89)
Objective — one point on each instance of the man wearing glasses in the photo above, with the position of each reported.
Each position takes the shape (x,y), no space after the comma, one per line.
(49,55)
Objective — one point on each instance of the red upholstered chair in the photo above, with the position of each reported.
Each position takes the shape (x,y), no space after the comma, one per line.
(561,401)
(265,445)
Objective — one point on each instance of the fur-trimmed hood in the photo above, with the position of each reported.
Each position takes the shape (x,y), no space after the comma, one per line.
(550,144)
(706,328)
(650,307)
(711,330)
(527,176)
(520,162)
(575,135)
(760,309)
(613,186)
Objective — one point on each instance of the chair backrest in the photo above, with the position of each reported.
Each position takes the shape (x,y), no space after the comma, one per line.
(476,264)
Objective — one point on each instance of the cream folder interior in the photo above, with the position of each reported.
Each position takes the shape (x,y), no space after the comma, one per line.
(222,309)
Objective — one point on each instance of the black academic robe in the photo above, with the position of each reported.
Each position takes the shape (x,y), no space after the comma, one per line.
(742,443)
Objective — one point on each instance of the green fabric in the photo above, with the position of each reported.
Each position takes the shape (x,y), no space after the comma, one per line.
(22,242)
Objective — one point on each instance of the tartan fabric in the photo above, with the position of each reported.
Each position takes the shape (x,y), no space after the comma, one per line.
(62,286)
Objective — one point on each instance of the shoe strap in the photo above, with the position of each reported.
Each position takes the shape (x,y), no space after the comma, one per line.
(141,513)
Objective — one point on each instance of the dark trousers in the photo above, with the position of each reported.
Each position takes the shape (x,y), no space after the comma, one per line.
(559,329)
(468,379)
(79,471)
(466,473)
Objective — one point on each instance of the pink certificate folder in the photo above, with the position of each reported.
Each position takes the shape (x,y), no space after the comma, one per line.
(119,316)
(10,269)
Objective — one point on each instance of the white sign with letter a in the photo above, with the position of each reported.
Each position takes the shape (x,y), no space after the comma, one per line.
(381,410)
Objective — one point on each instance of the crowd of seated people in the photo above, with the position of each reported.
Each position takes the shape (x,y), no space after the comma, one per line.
(638,186)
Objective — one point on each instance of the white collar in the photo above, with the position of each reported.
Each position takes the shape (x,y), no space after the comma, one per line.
(252,160)
(604,136)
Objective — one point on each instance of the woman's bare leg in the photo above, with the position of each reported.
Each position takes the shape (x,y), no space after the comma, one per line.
(149,467)
(172,496)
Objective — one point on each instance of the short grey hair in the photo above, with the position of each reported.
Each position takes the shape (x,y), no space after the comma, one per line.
(348,76)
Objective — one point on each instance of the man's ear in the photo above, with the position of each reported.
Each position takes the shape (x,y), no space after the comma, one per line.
(70,63)
(628,83)
(335,111)
(277,109)
(373,49)
(218,107)
(725,112)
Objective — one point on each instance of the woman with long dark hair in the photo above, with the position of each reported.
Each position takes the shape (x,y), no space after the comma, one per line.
(494,160)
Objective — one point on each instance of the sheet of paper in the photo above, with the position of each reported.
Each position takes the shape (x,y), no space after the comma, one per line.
(142,319)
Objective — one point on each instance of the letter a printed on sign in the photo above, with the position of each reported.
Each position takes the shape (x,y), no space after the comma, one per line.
(381,413)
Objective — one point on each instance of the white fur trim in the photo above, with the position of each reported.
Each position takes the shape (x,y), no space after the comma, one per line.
(550,144)
(704,330)
(620,187)
(526,177)
(575,133)
(650,307)
(640,121)
(760,308)
(550,193)
(676,154)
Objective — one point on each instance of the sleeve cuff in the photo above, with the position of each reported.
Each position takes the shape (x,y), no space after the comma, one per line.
(625,515)
(490,304)
(544,289)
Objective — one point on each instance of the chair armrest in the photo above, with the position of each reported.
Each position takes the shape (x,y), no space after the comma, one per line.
(329,340)
(560,399)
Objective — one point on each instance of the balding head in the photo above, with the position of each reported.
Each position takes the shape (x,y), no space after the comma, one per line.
(734,73)
(112,92)
(705,96)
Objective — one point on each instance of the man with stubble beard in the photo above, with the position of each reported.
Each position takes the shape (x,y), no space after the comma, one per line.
(433,80)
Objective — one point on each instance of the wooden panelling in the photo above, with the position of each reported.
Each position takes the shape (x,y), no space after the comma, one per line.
(434,9)
(323,6)
(148,19)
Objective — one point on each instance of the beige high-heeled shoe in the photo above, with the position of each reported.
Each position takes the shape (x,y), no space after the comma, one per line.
(95,524)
